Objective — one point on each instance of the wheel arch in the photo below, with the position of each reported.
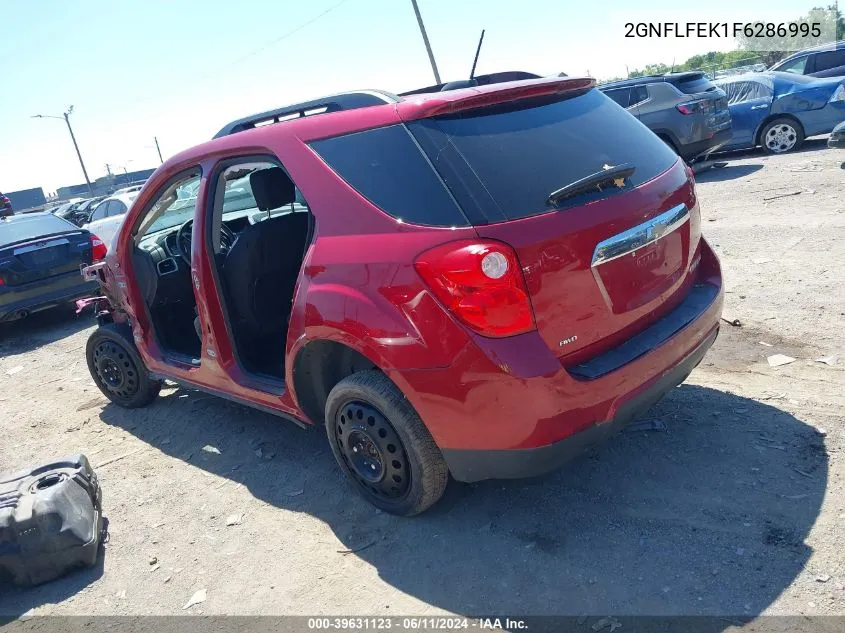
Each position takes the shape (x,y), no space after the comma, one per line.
(758,135)
(319,365)
(666,135)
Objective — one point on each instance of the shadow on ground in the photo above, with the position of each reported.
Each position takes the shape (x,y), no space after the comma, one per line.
(728,172)
(41,328)
(707,516)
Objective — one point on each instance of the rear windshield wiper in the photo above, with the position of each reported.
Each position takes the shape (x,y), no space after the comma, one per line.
(593,181)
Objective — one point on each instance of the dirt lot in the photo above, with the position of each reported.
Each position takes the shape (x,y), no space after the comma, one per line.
(735,507)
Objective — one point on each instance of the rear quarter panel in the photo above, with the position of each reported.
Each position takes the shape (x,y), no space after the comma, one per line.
(811,106)
(358,285)
(660,115)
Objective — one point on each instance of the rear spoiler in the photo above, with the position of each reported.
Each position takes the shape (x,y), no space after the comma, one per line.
(449,102)
(479,80)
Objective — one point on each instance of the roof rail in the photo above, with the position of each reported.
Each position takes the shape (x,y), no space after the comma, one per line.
(323,105)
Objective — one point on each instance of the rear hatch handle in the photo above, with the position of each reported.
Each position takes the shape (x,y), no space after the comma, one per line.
(609,174)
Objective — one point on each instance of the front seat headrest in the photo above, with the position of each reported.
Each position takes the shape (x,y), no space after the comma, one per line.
(271,188)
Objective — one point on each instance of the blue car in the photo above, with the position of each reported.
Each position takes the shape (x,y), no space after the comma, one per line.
(779,110)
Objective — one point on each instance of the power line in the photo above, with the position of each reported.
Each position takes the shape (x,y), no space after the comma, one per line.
(305,24)
(253,53)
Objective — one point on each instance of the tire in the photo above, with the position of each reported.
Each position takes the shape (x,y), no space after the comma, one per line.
(118,370)
(406,474)
(781,135)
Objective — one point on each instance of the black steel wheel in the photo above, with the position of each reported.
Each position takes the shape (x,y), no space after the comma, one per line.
(372,450)
(118,370)
(382,445)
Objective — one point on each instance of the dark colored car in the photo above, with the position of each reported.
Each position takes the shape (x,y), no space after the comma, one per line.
(82,213)
(778,111)
(479,282)
(827,60)
(40,258)
(685,110)
(5,206)
(837,137)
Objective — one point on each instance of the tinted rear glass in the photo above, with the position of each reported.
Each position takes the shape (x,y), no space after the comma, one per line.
(502,163)
(28,227)
(693,85)
(385,166)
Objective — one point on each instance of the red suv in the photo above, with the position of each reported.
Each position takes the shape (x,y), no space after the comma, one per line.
(480,281)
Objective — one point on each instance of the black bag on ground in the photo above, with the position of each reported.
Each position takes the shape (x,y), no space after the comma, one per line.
(50,521)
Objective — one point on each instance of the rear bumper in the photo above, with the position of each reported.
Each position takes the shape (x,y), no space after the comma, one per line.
(469,465)
(696,149)
(510,408)
(40,296)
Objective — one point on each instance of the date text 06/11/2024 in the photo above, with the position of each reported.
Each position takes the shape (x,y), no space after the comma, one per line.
(723,29)
(425,623)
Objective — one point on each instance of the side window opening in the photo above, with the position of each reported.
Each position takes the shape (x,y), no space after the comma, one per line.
(258,235)
(387,167)
(622,96)
(638,95)
(796,66)
(829,59)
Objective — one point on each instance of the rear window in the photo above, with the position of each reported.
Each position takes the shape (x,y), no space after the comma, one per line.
(385,166)
(502,163)
(19,228)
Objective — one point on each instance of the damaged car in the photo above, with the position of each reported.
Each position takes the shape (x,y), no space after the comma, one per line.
(473,282)
(778,110)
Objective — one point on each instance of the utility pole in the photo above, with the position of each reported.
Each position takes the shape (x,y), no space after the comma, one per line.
(426,42)
(66,117)
(158,149)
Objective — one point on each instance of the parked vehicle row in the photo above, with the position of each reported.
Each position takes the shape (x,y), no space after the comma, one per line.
(385,266)
(107,216)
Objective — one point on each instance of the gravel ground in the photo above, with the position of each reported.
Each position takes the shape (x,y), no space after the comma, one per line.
(735,507)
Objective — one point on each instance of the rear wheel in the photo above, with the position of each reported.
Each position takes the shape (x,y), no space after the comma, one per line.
(118,370)
(781,136)
(382,445)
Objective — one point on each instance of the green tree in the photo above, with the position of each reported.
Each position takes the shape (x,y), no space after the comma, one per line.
(773,49)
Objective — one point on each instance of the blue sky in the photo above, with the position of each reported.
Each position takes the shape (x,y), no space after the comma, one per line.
(181,69)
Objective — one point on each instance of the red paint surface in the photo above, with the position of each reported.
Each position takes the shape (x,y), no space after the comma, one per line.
(358,287)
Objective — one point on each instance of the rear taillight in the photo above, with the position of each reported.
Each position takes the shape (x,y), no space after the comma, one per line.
(701,106)
(481,283)
(839,94)
(98,248)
